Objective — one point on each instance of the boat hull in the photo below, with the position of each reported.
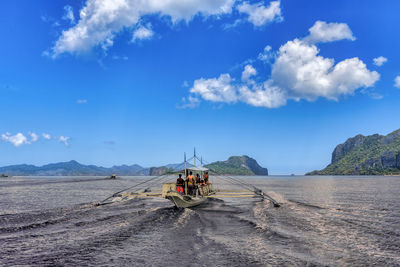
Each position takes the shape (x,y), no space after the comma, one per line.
(183,201)
(186,201)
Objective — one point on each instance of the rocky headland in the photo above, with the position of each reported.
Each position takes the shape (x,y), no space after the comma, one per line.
(365,155)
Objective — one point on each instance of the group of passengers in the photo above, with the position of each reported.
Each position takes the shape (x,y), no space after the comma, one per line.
(191,184)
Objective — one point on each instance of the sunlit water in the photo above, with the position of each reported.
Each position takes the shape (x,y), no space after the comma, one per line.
(332,221)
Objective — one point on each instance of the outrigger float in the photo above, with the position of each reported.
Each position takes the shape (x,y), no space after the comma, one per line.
(188,199)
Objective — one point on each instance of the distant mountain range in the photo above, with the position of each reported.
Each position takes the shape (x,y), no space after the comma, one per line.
(365,155)
(236,165)
(72,168)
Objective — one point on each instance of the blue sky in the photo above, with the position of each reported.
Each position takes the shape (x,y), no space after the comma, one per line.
(123,82)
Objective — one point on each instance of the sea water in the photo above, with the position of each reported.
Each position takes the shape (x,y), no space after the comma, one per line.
(334,221)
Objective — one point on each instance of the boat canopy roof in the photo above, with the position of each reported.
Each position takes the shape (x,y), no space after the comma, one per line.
(196,169)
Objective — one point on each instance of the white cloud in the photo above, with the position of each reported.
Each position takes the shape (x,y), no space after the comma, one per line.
(228,26)
(34,137)
(20,139)
(267,96)
(81,101)
(298,72)
(189,102)
(17,140)
(248,71)
(64,139)
(259,14)
(142,33)
(69,14)
(46,136)
(215,89)
(379,61)
(322,32)
(304,74)
(397,82)
(267,55)
(101,20)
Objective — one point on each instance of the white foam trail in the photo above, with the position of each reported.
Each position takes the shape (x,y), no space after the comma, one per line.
(278,197)
(183,218)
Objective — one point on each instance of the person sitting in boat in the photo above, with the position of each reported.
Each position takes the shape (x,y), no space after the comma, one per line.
(198,179)
(206,178)
(204,187)
(190,182)
(199,184)
(180,184)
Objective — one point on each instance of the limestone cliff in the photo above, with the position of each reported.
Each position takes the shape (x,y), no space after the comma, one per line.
(365,155)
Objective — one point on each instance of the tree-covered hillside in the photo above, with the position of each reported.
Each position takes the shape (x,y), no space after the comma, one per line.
(238,165)
(365,155)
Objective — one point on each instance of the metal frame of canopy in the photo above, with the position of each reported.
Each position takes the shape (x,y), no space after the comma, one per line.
(194,169)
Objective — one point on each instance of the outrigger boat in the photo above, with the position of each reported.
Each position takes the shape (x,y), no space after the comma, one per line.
(169,191)
(184,199)
(111,177)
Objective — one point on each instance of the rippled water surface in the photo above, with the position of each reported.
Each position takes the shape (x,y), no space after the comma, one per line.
(332,221)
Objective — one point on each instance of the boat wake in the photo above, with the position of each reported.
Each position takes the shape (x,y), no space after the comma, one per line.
(228,231)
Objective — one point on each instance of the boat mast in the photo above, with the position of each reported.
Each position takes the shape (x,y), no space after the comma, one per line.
(194,157)
(184,159)
(186,174)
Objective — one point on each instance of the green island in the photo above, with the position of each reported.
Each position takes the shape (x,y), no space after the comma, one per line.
(365,155)
(238,165)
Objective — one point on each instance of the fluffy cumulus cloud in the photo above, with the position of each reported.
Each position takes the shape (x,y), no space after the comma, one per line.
(267,55)
(267,95)
(298,72)
(34,137)
(218,89)
(17,140)
(248,71)
(302,73)
(379,61)
(142,33)
(101,20)
(20,139)
(397,82)
(259,15)
(64,140)
(323,32)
